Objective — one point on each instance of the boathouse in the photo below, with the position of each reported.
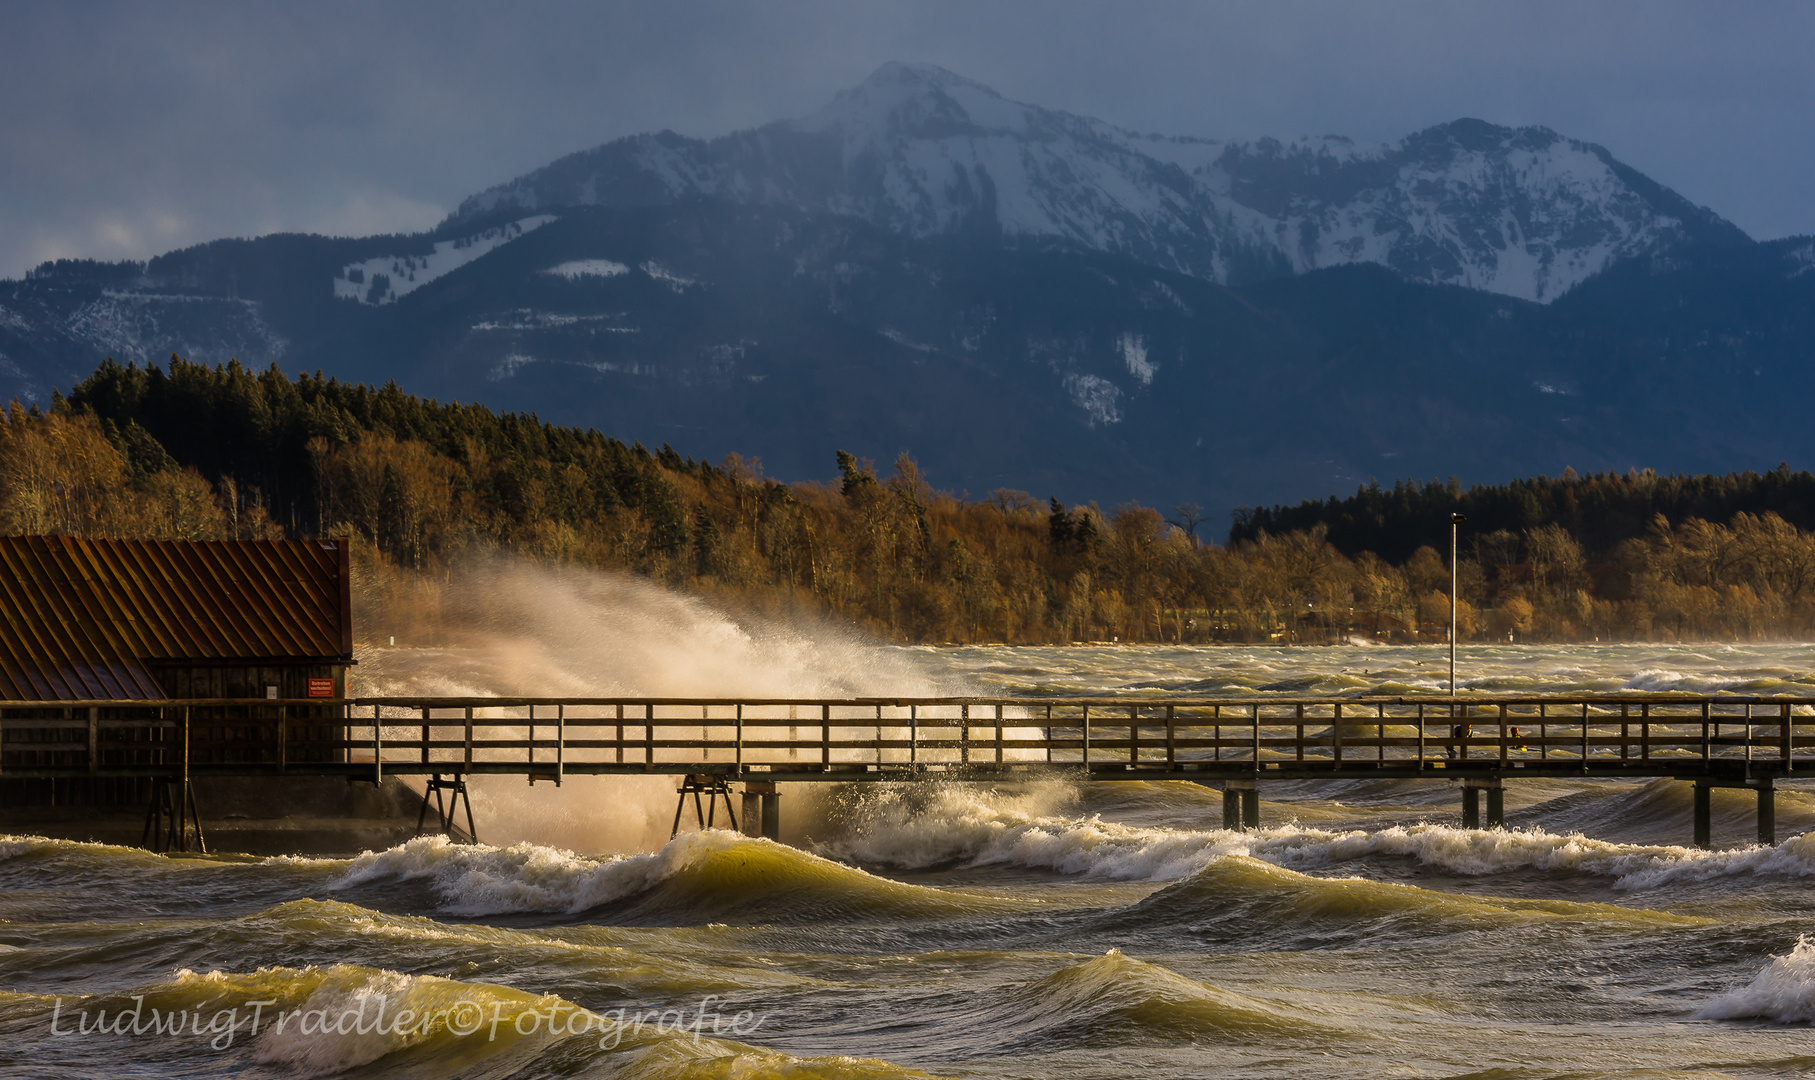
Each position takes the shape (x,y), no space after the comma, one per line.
(119,621)
(125,620)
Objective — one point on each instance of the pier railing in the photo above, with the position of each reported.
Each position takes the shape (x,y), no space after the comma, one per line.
(849,739)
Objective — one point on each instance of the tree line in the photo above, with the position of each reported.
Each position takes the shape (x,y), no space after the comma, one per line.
(189,451)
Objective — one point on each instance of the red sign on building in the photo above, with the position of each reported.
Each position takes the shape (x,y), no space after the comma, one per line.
(321,688)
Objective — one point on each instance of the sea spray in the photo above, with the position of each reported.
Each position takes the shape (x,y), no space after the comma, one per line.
(499,626)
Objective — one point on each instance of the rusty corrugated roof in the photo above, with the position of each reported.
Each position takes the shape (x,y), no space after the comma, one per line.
(90,618)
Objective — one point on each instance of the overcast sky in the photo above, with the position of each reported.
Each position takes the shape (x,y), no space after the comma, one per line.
(128,129)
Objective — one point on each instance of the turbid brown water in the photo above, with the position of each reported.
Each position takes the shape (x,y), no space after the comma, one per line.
(1102,930)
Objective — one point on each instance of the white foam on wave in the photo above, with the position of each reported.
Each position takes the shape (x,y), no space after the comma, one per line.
(475,879)
(977,828)
(1783,991)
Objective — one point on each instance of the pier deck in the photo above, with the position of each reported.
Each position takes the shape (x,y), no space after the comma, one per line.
(976,738)
(1723,741)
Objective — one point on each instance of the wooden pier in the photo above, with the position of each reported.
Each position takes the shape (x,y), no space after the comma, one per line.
(1479,742)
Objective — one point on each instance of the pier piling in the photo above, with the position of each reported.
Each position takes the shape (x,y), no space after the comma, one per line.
(1767,815)
(1241,805)
(1704,816)
(762,809)
(1704,811)
(1472,789)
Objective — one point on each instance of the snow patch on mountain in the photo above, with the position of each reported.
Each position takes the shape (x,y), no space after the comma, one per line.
(1802,259)
(678,282)
(575,269)
(1098,397)
(143,327)
(389,278)
(1133,348)
(906,342)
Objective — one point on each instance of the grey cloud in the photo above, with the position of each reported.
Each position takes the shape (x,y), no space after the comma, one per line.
(131,128)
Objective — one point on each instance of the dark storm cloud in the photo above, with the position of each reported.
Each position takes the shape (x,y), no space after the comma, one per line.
(129,129)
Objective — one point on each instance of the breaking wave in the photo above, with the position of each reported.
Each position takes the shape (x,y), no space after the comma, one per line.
(697,877)
(951,825)
(1783,992)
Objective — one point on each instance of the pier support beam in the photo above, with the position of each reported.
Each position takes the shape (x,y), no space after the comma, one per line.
(714,788)
(1704,816)
(1472,790)
(762,809)
(1767,814)
(172,819)
(455,787)
(1241,805)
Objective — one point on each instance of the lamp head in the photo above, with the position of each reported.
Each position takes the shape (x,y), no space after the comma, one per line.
(1457,519)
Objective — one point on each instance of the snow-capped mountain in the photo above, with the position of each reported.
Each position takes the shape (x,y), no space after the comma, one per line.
(1029,299)
(919,151)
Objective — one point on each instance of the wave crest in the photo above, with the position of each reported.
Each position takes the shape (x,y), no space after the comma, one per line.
(1784,991)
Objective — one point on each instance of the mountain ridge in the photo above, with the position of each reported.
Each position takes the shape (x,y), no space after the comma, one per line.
(921,151)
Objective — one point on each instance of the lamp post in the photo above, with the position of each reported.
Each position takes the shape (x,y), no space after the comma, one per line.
(1454,520)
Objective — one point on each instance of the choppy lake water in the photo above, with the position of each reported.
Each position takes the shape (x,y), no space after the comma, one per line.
(1101,930)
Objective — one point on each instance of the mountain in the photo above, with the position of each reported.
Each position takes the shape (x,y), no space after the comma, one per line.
(918,151)
(1024,298)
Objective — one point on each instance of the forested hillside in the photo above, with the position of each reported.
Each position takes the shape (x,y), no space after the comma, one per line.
(193,452)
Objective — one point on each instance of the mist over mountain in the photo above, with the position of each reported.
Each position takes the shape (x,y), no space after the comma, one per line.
(1027,298)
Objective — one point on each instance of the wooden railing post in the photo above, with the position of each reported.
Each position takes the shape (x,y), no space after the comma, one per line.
(1257,737)
(1086,723)
(1336,732)
(1420,736)
(964,733)
(1784,722)
(1584,736)
(377,746)
(1707,746)
(94,739)
(1171,733)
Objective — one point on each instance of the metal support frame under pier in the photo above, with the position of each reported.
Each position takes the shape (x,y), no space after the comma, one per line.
(444,814)
(170,817)
(714,788)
